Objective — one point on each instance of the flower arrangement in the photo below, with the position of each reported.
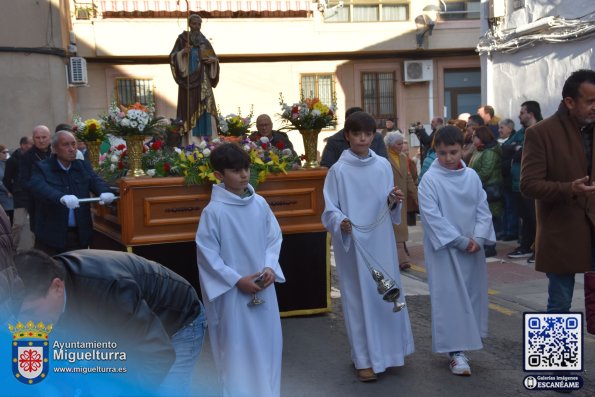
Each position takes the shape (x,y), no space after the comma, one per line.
(193,161)
(234,124)
(308,114)
(113,164)
(90,130)
(135,119)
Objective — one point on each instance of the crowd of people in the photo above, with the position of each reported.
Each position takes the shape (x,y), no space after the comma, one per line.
(480,180)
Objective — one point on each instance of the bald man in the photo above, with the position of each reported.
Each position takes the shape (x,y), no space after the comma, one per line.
(279,139)
(40,151)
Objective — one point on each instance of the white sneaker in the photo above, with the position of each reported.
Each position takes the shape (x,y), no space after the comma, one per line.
(459,364)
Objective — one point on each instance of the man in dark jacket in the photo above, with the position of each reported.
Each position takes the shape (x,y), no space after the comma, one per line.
(337,143)
(61,223)
(153,315)
(279,139)
(40,151)
(20,225)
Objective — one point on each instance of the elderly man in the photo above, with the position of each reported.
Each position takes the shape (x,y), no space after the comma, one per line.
(40,151)
(556,171)
(264,125)
(57,183)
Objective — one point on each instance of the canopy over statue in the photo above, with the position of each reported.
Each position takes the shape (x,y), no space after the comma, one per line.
(195,68)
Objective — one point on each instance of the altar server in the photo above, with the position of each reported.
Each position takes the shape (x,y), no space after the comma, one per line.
(457,223)
(361,206)
(238,244)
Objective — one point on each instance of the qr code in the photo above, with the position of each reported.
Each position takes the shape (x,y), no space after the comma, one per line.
(553,341)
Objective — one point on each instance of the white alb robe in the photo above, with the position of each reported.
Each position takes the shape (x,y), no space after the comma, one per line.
(452,203)
(237,237)
(357,189)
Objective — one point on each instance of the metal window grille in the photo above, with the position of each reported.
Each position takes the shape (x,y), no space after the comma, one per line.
(130,91)
(378,94)
(321,86)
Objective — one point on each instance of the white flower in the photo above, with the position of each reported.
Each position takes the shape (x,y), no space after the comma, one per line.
(125,123)
(112,167)
(316,112)
(247,148)
(114,159)
(264,139)
(206,152)
(133,124)
(286,152)
(216,140)
(178,150)
(202,145)
(151,172)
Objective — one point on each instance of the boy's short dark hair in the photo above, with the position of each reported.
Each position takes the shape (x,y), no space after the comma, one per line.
(37,270)
(448,135)
(360,121)
(229,156)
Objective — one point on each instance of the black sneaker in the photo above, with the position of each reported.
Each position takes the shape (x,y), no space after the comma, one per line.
(531,259)
(520,253)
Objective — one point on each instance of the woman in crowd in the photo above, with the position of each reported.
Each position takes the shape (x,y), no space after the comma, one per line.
(402,178)
(486,161)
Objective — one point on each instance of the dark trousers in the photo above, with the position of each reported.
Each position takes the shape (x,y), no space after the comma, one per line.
(72,243)
(527,215)
(510,219)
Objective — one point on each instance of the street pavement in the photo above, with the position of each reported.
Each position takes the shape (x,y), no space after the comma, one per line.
(316,356)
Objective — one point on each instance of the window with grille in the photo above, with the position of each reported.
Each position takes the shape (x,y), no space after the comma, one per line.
(367,11)
(321,86)
(378,94)
(130,91)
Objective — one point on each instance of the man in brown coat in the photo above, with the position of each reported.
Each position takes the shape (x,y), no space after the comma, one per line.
(557,168)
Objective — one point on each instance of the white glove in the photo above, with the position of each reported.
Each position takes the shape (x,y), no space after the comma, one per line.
(70,201)
(106,198)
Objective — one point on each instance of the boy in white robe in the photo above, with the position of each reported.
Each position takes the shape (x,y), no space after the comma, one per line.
(358,191)
(239,240)
(457,223)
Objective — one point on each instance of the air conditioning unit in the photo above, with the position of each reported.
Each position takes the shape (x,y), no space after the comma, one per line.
(416,71)
(77,71)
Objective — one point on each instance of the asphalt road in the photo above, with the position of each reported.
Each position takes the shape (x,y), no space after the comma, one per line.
(316,359)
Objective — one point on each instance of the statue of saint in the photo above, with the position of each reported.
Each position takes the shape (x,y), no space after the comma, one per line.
(195,68)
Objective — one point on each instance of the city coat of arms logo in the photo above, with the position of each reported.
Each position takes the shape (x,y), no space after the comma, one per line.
(30,351)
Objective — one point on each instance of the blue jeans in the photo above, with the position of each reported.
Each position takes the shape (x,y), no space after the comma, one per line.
(187,343)
(561,286)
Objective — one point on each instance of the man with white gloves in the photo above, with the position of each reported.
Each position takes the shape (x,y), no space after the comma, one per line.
(63,223)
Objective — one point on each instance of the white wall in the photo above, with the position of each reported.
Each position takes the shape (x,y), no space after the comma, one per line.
(535,72)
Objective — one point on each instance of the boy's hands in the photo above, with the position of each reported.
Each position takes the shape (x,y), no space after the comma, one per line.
(395,196)
(248,285)
(473,247)
(346,226)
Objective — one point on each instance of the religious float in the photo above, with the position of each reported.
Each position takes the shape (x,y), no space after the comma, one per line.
(157,218)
